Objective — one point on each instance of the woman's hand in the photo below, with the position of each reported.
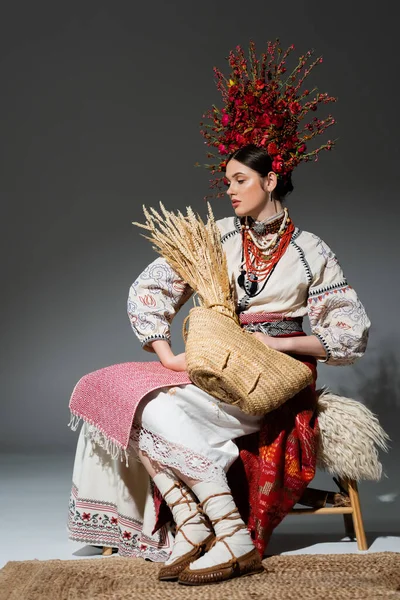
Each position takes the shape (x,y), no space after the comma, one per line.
(176,363)
(275,343)
(302,344)
(167,357)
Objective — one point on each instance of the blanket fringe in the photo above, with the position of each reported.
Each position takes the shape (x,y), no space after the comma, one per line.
(95,435)
(74,421)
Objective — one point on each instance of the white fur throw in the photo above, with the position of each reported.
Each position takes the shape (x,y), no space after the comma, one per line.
(350,435)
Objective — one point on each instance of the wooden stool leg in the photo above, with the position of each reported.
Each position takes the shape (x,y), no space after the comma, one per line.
(357,517)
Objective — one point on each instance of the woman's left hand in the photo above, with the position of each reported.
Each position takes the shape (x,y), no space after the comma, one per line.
(273,342)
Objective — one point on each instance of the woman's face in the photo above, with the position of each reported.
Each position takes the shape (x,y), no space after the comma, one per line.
(248,191)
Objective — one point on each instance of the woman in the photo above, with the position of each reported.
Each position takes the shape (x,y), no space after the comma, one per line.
(186,440)
(188,431)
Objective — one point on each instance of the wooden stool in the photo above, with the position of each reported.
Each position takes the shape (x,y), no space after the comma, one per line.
(353,522)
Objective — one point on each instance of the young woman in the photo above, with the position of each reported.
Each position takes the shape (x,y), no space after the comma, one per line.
(227,477)
(186,438)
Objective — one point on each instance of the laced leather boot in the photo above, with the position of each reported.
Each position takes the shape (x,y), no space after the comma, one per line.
(194,533)
(232,553)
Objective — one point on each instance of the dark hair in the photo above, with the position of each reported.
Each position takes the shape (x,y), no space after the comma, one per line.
(257,159)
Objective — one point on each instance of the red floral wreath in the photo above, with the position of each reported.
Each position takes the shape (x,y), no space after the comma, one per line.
(263,108)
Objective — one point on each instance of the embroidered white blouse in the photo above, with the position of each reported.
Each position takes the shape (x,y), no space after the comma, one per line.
(307,280)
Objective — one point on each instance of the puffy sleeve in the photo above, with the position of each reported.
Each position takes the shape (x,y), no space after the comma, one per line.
(154,299)
(336,315)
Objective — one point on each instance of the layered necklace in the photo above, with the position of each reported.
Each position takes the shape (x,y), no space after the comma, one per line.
(261,253)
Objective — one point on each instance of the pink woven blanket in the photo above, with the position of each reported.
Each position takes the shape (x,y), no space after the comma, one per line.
(107,399)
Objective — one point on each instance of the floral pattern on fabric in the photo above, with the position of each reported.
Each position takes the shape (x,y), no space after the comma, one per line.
(336,315)
(154,299)
(99,523)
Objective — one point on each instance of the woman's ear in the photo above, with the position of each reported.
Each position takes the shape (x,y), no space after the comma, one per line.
(270,182)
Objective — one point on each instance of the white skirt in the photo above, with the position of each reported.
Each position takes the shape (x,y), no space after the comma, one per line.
(186,429)
(112,505)
(180,427)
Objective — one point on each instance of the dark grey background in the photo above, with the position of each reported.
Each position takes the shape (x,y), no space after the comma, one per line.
(100,105)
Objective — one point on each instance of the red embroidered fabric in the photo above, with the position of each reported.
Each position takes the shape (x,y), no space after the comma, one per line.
(276,465)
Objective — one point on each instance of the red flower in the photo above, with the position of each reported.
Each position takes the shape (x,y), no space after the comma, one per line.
(302,148)
(114,520)
(277,164)
(295,108)
(272,149)
(250,99)
(85,516)
(222,149)
(240,139)
(126,535)
(277,120)
(264,99)
(225,120)
(264,120)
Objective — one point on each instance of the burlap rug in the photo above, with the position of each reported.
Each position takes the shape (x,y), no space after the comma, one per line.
(300,577)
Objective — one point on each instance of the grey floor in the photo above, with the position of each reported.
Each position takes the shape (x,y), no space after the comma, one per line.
(34,497)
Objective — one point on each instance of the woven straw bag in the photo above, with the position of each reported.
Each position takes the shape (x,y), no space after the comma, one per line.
(232,365)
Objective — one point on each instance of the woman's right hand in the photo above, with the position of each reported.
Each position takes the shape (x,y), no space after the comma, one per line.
(176,363)
(167,357)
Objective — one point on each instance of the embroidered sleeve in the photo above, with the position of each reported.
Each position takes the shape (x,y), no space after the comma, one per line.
(336,315)
(154,299)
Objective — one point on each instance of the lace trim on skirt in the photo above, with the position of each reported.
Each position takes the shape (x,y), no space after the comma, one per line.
(175,456)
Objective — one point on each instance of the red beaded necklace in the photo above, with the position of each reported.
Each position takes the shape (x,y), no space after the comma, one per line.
(259,264)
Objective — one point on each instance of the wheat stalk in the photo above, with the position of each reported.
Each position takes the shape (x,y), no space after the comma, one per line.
(194,251)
